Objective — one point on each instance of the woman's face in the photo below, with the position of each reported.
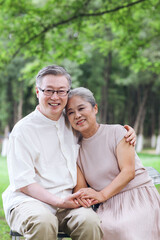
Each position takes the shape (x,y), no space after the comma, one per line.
(82,116)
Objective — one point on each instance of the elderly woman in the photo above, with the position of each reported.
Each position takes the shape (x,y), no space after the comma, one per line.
(129,204)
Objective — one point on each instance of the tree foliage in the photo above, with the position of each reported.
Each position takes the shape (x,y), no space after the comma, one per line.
(61,28)
(112,47)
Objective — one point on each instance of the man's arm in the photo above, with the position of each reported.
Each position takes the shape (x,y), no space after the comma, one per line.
(37,191)
(130,135)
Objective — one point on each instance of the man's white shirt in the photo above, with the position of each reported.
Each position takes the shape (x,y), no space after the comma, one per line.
(44,151)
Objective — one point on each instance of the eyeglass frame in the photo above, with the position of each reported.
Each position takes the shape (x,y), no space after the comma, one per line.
(51,92)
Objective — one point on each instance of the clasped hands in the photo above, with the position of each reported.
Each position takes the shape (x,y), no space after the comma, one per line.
(89,197)
(85,197)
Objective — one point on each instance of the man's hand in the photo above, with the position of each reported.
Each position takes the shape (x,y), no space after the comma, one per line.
(70,201)
(85,202)
(130,135)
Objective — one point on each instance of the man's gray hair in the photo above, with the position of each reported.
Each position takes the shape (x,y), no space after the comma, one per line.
(84,93)
(52,70)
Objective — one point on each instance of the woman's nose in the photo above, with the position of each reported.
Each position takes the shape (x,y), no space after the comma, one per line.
(77,115)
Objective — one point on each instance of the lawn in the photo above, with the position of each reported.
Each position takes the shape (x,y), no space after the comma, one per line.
(147,160)
(151,160)
(4,181)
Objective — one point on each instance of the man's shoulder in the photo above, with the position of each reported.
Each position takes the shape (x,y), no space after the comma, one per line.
(24,123)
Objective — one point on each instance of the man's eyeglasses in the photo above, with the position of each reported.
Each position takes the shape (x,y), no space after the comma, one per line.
(49,92)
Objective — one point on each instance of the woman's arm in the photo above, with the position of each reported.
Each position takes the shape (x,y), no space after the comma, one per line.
(126,162)
(81,182)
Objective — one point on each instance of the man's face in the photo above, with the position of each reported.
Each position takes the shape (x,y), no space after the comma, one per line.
(52,106)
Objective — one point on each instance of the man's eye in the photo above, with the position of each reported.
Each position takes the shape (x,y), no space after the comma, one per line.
(61,91)
(48,90)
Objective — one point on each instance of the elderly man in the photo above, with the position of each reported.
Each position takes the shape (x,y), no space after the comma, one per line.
(42,168)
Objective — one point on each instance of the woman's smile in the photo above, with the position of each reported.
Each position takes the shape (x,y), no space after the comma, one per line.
(80,122)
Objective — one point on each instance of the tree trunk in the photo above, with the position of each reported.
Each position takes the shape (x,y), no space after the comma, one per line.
(140,111)
(153,135)
(5,142)
(105,88)
(147,90)
(153,141)
(139,146)
(18,106)
(158,138)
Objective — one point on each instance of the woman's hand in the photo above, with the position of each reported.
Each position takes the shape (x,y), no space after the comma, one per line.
(92,195)
(84,202)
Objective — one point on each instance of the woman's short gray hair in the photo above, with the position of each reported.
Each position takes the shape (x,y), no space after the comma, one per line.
(84,93)
(52,70)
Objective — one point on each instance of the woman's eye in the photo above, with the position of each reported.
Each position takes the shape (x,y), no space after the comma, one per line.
(80,109)
(69,113)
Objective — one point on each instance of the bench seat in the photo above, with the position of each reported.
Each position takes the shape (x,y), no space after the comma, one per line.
(16,235)
(154,174)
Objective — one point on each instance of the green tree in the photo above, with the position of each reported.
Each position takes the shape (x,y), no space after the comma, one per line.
(109,46)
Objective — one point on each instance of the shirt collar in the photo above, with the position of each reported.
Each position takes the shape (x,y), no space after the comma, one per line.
(48,120)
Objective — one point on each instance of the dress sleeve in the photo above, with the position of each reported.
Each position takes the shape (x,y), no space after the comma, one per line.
(120,132)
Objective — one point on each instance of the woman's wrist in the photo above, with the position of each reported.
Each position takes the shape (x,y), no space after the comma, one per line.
(102,197)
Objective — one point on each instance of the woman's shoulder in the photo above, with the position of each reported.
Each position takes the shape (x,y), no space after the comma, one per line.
(112,127)
(114,131)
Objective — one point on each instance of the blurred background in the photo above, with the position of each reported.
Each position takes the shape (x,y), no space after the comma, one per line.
(111,47)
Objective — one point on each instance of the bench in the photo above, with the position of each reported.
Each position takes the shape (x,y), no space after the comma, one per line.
(154,174)
(16,236)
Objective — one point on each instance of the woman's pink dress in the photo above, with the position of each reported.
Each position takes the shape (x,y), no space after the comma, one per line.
(132,214)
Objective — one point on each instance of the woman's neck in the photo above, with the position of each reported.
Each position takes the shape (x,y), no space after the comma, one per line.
(90,132)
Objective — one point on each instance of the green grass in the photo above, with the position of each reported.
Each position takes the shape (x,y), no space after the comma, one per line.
(148,160)
(4,181)
(151,160)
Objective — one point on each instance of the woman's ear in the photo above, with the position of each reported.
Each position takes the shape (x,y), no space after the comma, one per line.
(96,109)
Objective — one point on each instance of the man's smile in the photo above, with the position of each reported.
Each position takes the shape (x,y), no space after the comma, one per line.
(54,104)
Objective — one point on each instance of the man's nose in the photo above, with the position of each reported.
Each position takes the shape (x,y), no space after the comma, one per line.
(55,95)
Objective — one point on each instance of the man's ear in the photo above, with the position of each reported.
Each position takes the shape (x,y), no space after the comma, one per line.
(37,92)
